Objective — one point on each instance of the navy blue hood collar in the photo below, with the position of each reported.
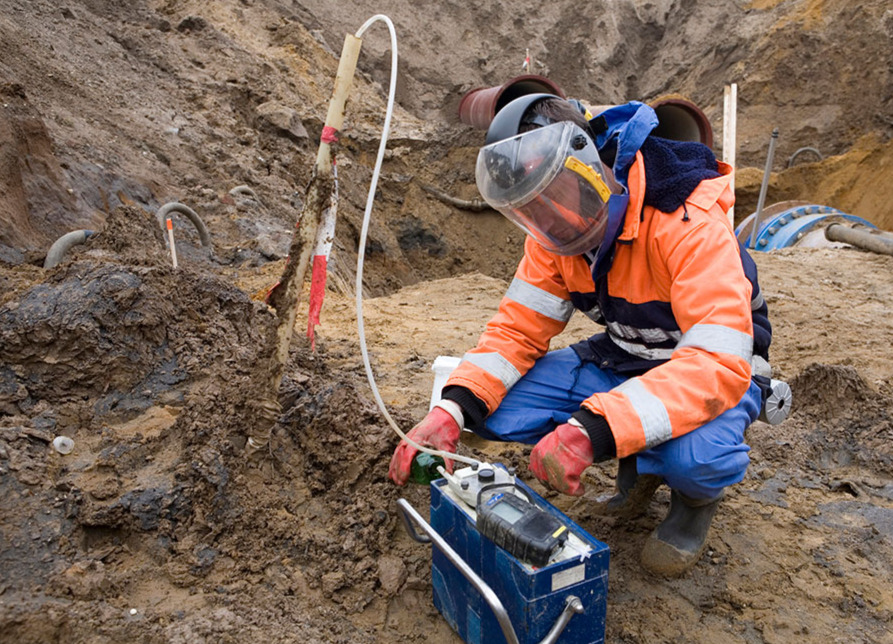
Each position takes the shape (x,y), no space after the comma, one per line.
(673,169)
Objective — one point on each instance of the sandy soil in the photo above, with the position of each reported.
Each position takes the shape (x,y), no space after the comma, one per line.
(155,528)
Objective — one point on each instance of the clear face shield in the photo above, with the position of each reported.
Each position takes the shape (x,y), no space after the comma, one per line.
(551,183)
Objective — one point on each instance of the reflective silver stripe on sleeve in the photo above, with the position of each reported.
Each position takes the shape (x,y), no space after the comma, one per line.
(640,351)
(649,336)
(718,339)
(651,411)
(594,314)
(759,367)
(496,366)
(543,302)
(757,302)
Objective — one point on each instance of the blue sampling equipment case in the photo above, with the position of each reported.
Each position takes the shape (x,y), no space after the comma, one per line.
(534,599)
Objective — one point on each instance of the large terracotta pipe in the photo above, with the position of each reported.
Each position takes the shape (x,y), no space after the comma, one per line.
(478,107)
(678,118)
(681,120)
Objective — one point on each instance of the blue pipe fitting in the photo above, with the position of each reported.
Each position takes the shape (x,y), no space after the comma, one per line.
(786,228)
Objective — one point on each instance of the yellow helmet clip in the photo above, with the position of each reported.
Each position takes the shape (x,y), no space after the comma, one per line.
(590,175)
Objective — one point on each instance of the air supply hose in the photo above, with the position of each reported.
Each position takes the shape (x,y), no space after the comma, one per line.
(361,252)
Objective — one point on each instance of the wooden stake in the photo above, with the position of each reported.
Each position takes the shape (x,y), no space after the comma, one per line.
(729,133)
(170,237)
(316,201)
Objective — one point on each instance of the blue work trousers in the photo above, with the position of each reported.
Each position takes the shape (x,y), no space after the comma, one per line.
(698,464)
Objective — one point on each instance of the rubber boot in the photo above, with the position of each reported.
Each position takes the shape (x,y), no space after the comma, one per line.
(679,541)
(632,491)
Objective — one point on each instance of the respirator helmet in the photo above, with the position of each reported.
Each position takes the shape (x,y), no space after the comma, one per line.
(546,177)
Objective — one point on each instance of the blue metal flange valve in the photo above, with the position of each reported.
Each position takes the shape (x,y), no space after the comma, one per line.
(802,225)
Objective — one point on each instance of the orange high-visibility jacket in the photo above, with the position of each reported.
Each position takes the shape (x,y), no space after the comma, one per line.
(677,299)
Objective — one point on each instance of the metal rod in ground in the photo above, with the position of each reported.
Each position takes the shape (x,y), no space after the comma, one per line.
(170,238)
(859,238)
(763,188)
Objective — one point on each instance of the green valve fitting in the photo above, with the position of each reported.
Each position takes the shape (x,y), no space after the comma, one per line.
(424,468)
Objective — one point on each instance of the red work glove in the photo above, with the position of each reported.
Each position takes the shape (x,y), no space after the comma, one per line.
(560,457)
(439,429)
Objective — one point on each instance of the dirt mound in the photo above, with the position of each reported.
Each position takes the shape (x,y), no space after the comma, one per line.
(829,391)
(156,392)
(156,503)
(132,236)
(109,327)
(852,421)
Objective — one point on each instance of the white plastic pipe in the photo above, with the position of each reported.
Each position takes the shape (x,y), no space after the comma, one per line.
(361,251)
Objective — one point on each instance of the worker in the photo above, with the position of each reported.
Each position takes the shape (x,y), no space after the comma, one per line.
(633,231)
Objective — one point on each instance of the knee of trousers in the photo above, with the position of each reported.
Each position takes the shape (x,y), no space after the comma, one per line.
(703,474)
(703,462)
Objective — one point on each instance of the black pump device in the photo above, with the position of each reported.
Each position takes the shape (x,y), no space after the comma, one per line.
(518,525)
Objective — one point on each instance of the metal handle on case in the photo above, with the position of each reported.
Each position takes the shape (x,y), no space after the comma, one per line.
(411,518)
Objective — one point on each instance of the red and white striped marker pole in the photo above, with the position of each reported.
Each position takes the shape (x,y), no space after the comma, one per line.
(325,237)
(301,250)
(170,237)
